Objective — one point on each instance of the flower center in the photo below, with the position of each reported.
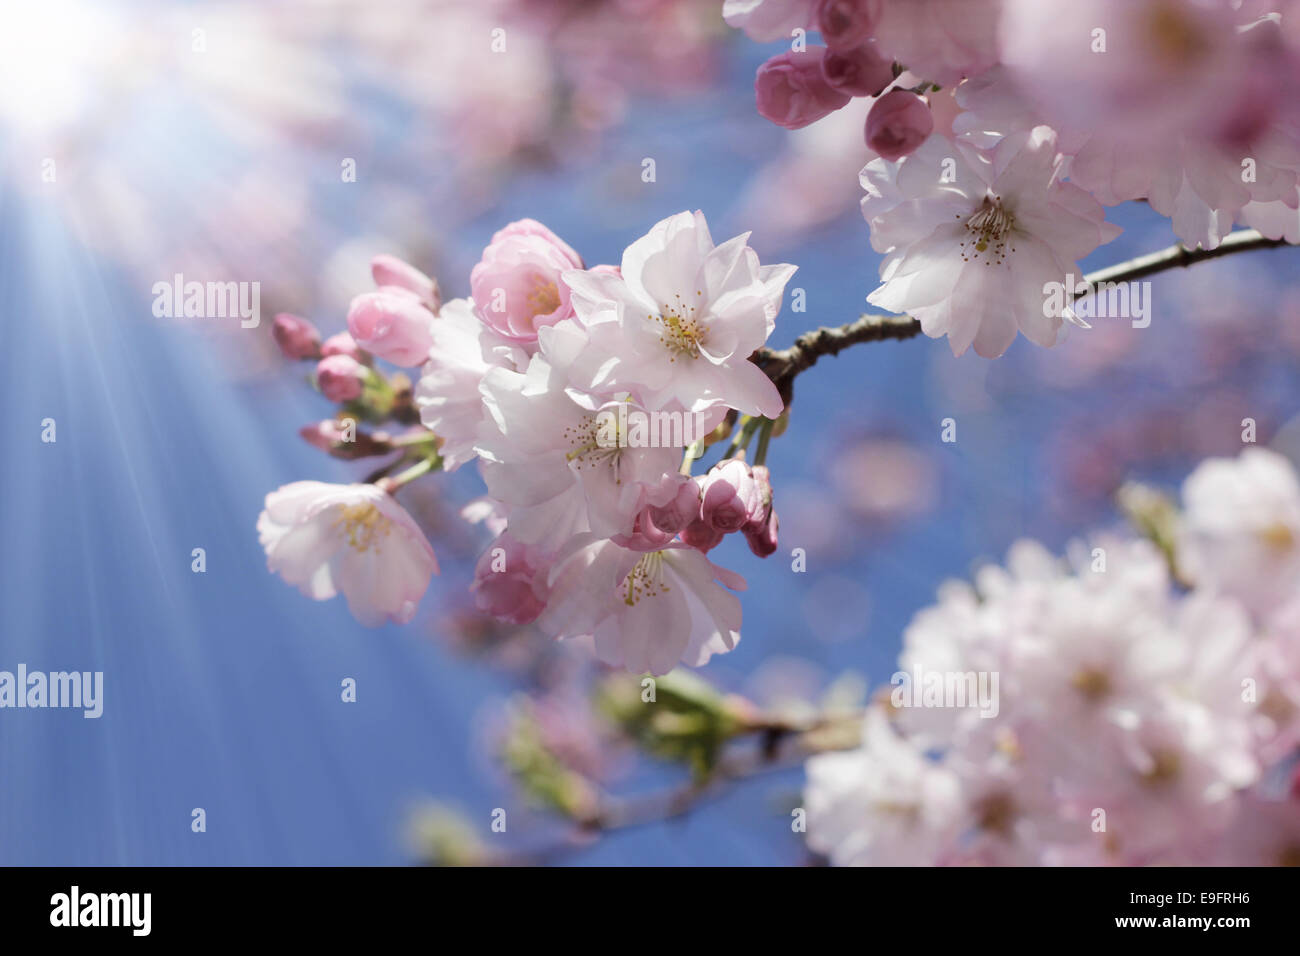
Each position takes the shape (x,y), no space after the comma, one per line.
(1165,768)
(1092,683)
(645,580)
(1278,536)
(363,524)
(596,442)
(988,229)
(545,297)
(996,813)
(680,331)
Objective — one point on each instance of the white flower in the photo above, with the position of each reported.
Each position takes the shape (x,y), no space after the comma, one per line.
(357,539)
(884,804)
(463,351)
(645,611)
(1240,532)
(1112,691)
(972,239)
(547,456)
(678,326)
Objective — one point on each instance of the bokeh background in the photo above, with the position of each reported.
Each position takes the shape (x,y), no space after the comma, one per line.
(218,153)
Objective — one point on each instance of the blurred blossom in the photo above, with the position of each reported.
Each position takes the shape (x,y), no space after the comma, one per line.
(1241,530)
(884,479)
(270,112)
(1110,689)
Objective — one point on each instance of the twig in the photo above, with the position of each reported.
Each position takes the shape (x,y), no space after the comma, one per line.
(783,365)
(780,745)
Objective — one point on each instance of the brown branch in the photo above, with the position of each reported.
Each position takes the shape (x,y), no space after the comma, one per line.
(780,745)
(783,365)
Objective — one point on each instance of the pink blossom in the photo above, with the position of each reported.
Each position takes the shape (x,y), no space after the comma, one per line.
(730,496)
(941,40)
(681,509)
(761,534)
(860,71)
(973,258)
(341,343)
(645,534)
(898,123)
(326,538)
(1129,65)
(1241,528)
(509,582)
(330,436)
(296,337)
(645,612)
(548,456)
(393,324)
(517,286)
(678,327)
(702,536)
(885,804)
(392,271)
(341,378)
(792,90)
(463,350)
(844,24)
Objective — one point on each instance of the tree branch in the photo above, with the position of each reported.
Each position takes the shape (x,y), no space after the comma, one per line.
(783,365)
(780,745)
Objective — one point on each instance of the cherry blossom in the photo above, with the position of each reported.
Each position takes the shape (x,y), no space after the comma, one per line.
(545,458)
(296,336)
(325,538)
(517,285)
(463,349)
(679,324)
(971,257)
(645,611)
(884,804)
(1241,528)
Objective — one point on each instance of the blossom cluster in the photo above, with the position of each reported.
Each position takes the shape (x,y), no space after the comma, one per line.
(1137,721)
(1002,129)
(544,376)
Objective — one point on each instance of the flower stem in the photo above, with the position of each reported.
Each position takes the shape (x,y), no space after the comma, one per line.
(392,483)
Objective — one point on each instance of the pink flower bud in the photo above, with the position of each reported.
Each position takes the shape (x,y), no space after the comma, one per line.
(348,443)
(517,286)
(701,536)
(340,377)
(297,338)
(898,123)
(730,496)
(393,324)
(844,24)
(762,537)
(341,343)
(681,509)
(861,71)
(508,584)
(392,271)
(763,479)
(792,91)
(645,534)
